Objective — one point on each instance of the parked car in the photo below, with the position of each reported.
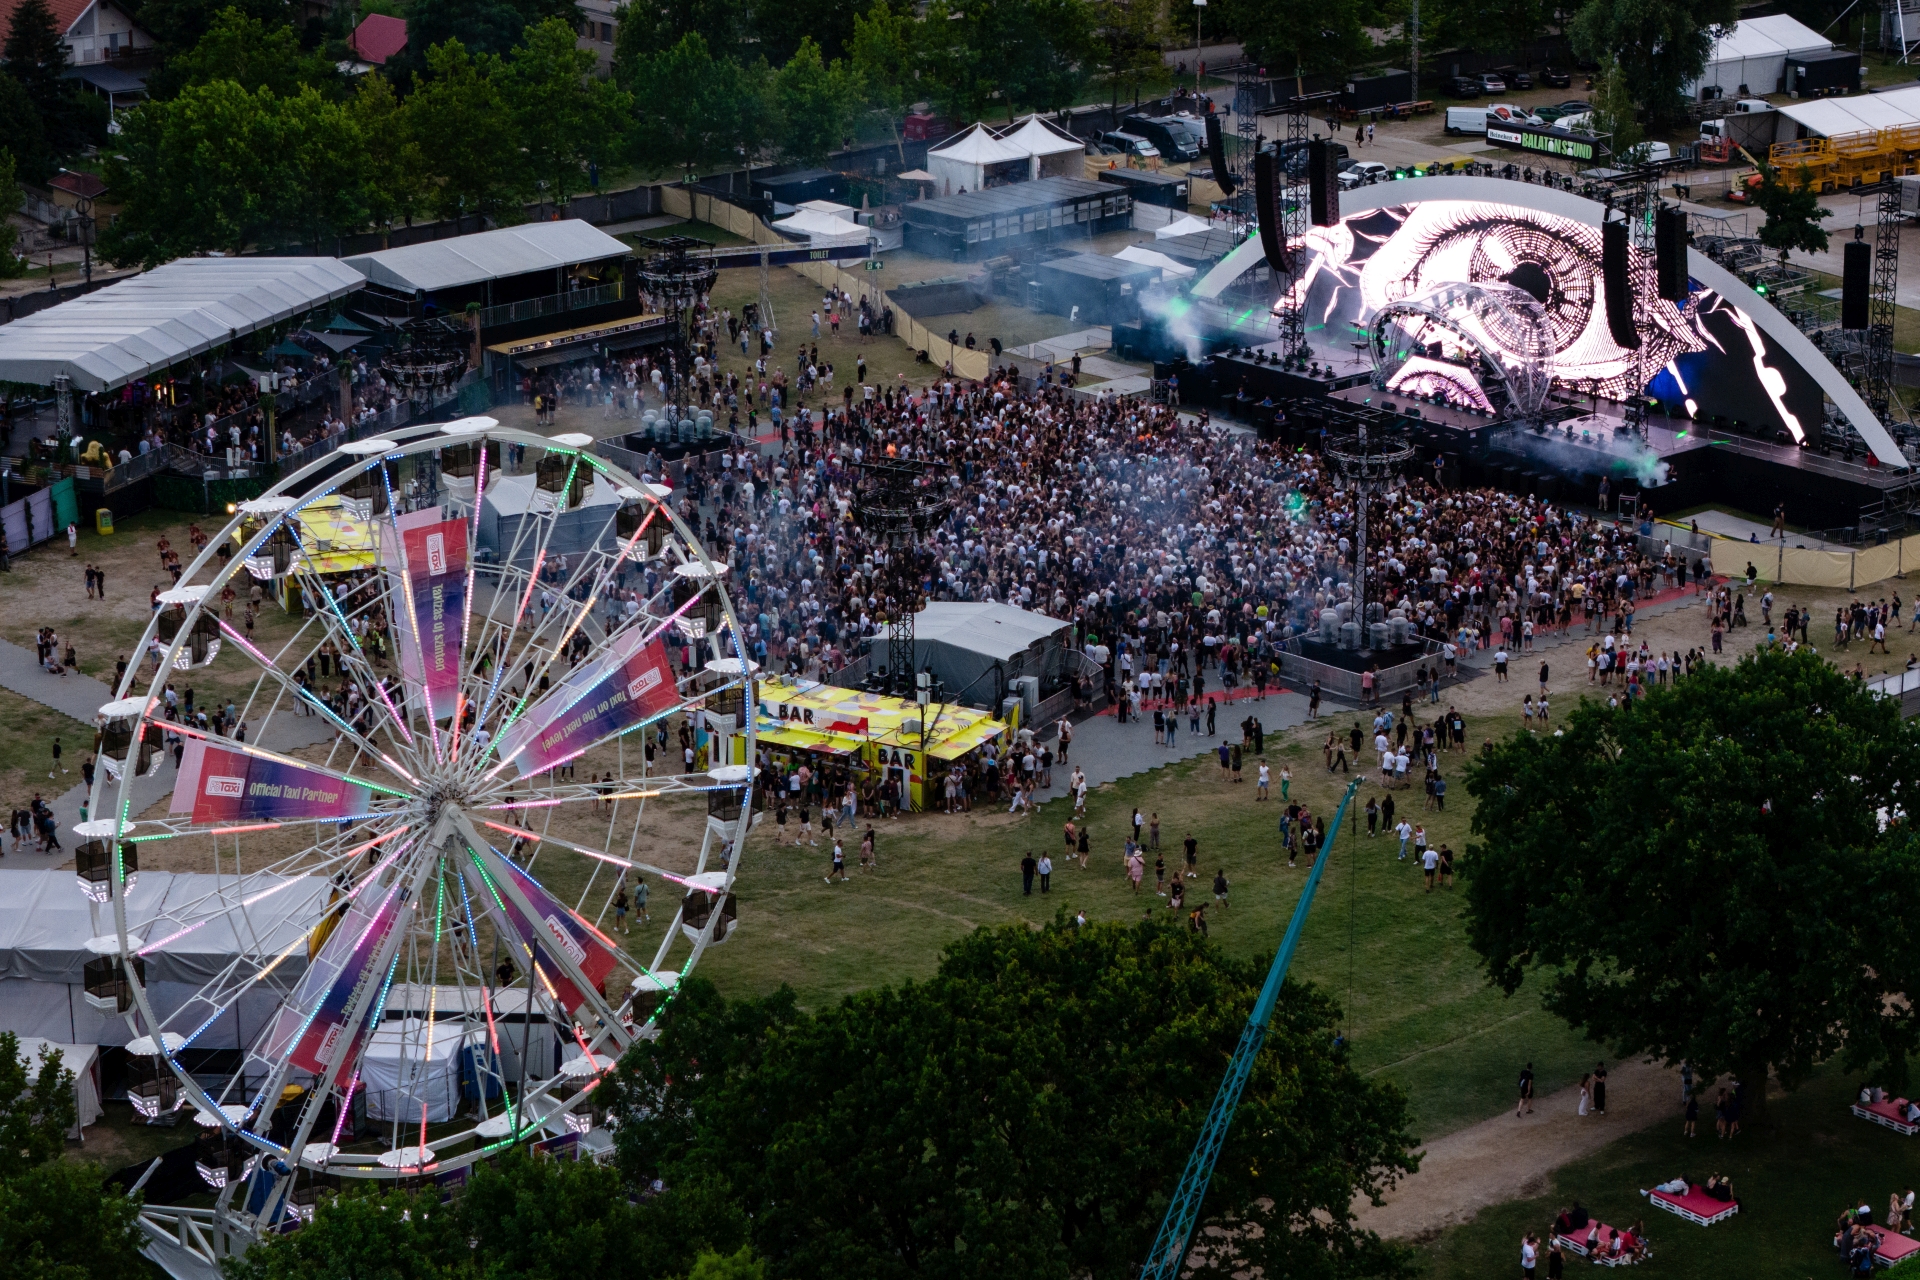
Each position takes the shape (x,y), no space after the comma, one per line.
(1127,144)
(1556,78)
(1490,82)
(1572,107)
(1362,173)
(1462,87)
(1515,77)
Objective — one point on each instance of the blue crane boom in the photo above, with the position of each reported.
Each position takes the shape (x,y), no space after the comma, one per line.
(1170,1246)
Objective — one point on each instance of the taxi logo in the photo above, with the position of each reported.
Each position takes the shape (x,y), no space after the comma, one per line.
(222,785)
(644,681)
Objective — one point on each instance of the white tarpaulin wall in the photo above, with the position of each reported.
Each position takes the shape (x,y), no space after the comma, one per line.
(81,1059)
(403,1068)
(45,923)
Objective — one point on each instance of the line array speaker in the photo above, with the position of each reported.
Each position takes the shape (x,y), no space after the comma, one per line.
(1615,252)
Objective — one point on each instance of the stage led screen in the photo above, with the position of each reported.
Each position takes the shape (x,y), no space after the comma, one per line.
(1705,358)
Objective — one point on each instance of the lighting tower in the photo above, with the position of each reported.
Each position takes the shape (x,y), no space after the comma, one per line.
(896,507)
(1368,463)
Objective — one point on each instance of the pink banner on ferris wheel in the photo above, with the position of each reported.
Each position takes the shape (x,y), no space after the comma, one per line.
(435,571)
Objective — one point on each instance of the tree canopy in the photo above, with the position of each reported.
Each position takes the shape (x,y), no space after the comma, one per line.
(56,1221)
(1794,214)
(1027,1111)
(1718,873)
(1660,45)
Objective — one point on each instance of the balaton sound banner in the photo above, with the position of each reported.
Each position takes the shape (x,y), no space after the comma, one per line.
(216,784)
(436,574)
(632,684)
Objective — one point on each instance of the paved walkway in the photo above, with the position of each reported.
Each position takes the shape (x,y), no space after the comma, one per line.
(81,697)
(1506,1158)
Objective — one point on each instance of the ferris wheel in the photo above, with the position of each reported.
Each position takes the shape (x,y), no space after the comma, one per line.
(384,853)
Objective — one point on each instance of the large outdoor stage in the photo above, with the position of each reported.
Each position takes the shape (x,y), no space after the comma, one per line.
(1472,312)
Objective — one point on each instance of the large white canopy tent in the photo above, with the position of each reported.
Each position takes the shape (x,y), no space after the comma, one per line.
(1751,59)
(139,327)
(1855,113)
(46,923)
(964,163)
(487,255)
(1051,152)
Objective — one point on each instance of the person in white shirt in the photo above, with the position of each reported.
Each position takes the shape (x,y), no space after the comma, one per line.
(1260,791)
(1404,830)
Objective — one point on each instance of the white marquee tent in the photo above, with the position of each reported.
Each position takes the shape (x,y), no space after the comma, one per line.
(1051,152)
(823,230)
(1830,117)
(45,924)
(966,162)
(1751,59)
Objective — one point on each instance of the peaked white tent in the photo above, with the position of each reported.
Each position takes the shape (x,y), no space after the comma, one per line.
(1051,153)
(822,230)
(1148,258)
(966,162)
(1754,55)
(1185,225)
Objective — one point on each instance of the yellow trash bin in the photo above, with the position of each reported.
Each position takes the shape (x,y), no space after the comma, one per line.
(103,521)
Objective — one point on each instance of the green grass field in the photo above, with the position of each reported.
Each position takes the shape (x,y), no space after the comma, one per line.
(1396,958)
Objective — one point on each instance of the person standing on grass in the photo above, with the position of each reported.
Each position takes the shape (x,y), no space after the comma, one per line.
(1261,780)
(640,895)
(1525,1105)
(1046,874)
(1085,846)
(1159,875)
(56,756)
(1136,869)
(1446,867)
(1220,888)
(1430,862)
(1529,1255)
(620,907)
(839,870)
(1027,868)
(1693,1116)
(1192,848)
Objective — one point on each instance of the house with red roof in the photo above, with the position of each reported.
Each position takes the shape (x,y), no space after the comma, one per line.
(378,38)
(94,31)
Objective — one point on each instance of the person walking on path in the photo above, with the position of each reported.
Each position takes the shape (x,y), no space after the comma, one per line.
(1525,1105)
(1027,868)
(1586,1094)
(1600,1088)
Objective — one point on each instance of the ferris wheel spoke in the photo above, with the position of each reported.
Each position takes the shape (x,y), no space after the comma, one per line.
(325,593)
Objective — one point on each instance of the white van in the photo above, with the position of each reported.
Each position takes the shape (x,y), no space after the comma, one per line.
(1467,120)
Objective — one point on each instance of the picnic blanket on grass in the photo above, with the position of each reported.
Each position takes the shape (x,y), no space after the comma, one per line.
(1600,1233)
(1696,1206)
(1890,1248)
(1890,1114)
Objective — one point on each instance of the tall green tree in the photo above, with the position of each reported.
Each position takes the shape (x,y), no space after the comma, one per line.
(1302,36)
(57,1222)
(702,113)
(1025,1112)
(566,115)
(780,27)
(959,72)
(466,130)
(816,102)
(25,136)
(11,263)
(324,160)
(882,55)
(35,55)
(251,53)
(1051,52)
(648,28)
(396,187)
(1129,35)
(482,27)
(1660,45)
(179,25)
(1793,214)
(1705,875)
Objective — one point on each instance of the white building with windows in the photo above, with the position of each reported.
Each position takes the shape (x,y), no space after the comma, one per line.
(95,31)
